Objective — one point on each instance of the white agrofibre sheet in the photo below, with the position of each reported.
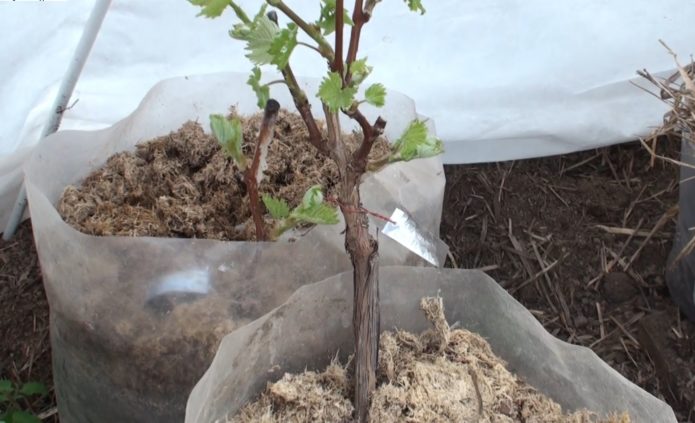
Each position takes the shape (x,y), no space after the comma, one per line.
(502,79)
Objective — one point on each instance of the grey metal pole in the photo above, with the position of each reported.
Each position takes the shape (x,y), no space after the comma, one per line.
(89,35)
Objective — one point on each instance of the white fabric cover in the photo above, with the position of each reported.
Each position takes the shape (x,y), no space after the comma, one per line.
(503,79)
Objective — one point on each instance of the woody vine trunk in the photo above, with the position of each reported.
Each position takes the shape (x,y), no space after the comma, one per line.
(363,250)
(364,255)
(360,245)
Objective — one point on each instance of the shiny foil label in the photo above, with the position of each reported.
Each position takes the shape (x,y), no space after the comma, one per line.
(405,231)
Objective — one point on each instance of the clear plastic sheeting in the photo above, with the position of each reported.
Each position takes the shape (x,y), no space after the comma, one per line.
(136,321)
(315,323)
(504,79)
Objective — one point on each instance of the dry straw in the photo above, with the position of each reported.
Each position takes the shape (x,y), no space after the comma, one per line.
(678,92)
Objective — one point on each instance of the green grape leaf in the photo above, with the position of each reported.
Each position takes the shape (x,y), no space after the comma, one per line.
(282,46)
(259,35)
(277,207)
(6,386)
(211,8)
(320,215)
(314,210)
(22,417)
(230,135)
(260,40)
(376,95)
(332,93)
(266,43)
(262,91)
(360,71)
(242,31)
(416,6)
(33,388)
(312,197)
(416,143)
(327,19)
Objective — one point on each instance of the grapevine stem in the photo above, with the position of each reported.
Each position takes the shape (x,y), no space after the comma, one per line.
(253,173)
(337,65)
(301,43)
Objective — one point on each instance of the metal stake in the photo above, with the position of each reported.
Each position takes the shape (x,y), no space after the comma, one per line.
(89,35)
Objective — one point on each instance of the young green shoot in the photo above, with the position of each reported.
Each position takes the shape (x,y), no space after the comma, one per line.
(230,136)
(16,401)
(312,210)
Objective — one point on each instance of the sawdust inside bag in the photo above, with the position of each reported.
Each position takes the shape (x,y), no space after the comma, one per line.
(438,376)
(184,185)
(441,376)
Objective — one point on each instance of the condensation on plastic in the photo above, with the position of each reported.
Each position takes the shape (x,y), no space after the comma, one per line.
(106,291)
(680,275)
(315,323)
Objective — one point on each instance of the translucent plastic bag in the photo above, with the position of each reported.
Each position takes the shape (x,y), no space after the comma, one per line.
(136,321)
(315,323)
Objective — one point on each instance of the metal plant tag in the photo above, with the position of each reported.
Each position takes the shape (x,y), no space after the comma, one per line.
(405,231)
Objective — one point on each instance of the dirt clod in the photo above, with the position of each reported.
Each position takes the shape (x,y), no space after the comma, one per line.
(618,287)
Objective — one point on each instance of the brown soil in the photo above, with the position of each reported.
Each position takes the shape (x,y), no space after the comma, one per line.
(183,185)
(534,226)
(25,350)
(440,376)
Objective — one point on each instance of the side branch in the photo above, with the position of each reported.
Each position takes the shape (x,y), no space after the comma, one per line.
(304,108)
(369,8)
(370,134)
(254,174)
(359,18)
(337,65)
